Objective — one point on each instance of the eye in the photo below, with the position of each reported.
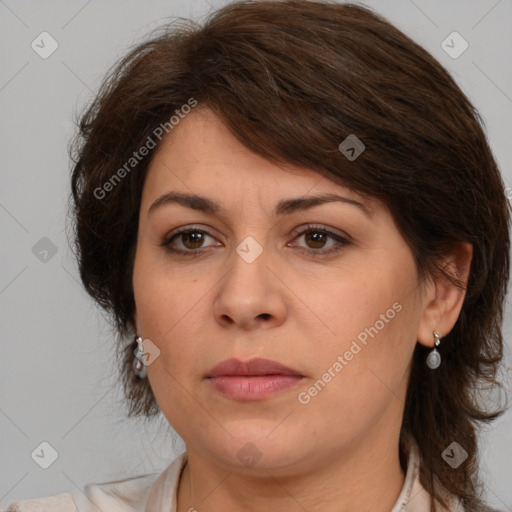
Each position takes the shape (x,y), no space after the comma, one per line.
(191,240)
(316,238)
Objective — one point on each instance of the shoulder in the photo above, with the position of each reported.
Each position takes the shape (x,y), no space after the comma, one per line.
(57,503)
(128,495)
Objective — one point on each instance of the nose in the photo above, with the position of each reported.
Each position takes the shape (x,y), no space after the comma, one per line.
(251,295)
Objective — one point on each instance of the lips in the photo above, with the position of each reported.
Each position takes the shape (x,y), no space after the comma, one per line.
(256,379)
(253,367)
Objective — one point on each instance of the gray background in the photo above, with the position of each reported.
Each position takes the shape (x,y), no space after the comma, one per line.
(57,378)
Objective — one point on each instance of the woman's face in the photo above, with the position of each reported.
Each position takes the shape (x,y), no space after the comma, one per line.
(329,290)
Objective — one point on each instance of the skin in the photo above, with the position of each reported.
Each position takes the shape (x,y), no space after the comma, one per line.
(339,452)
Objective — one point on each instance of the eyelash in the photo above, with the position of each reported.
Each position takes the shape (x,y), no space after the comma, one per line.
(342,242)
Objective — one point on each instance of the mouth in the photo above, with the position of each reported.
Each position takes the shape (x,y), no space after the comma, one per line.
(255,379)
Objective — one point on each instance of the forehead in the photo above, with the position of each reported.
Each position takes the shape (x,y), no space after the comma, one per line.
(200,155)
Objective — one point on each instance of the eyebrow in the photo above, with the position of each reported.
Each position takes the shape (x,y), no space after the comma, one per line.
(285,206)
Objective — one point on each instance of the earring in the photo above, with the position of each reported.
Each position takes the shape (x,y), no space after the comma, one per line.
(434,358)
(138,365)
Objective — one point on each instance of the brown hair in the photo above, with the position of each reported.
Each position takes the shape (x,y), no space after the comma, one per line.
(291,80)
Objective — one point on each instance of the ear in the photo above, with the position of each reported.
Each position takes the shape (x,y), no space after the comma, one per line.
(443,299)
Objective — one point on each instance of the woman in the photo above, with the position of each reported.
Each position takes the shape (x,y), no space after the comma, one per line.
(294,215)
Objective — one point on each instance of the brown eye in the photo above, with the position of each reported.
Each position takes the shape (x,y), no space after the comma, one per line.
(194,238)
(188,241)
(316,239)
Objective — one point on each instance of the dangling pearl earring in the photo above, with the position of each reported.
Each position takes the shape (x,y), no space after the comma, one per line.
(138,361)
(434,358)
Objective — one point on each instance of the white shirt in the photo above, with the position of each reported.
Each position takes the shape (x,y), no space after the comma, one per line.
(158,493)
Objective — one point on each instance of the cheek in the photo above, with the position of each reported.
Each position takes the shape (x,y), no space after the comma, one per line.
(370,323)
(168,313)
(170,320)
(163,297)
(165,307)
(354,306)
